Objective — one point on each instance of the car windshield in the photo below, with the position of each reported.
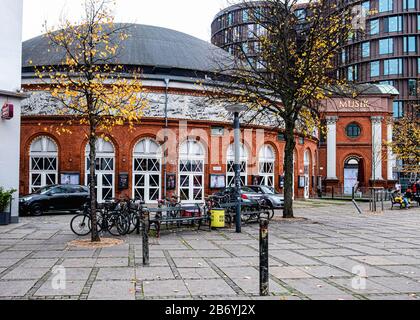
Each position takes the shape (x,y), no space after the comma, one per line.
(268,190)
(247,190)
(44,190)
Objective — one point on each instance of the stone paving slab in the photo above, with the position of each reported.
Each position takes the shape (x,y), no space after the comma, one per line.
(198,273)
(165,288)
(15,288)
(23,273)
(209,288)
(112,290)
(72,288)
(154,273)
(118,273)
(317,259)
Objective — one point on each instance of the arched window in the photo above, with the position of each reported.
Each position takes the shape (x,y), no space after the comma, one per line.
(147,171)
(230,174)
(104,169)
(43,158)
(266,165)
(191,172)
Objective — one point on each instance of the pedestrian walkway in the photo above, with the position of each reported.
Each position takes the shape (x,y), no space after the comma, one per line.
(333,253)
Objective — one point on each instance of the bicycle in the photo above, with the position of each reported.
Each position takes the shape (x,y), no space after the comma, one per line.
(110,218)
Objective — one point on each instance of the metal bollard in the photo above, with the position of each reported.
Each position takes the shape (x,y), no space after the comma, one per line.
(264,276)
(146,223)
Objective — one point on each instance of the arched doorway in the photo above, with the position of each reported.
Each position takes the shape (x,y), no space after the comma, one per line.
(104,169)
(230,174)
(352,173)
(43,163)
(191,172)
(147,171)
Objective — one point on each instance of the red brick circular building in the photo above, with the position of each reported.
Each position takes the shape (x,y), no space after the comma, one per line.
(199,156)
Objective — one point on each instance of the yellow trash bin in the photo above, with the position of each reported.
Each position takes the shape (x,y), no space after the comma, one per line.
(217,218)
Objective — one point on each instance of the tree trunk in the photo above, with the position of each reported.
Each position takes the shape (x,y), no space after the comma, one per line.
(289,170)
(92,159)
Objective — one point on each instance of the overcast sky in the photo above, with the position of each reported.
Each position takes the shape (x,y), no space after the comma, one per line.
(190,16)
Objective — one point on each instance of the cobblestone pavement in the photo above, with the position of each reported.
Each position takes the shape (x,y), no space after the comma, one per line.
(318,257)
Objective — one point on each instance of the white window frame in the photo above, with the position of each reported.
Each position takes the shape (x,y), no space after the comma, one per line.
(101,154)
(43,154)
(230,172)
(199,158)
(267,156)
(147,155)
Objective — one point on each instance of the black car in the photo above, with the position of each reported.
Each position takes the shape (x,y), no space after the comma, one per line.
(70,198)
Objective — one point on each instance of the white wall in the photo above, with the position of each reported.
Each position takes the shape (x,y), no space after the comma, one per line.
(10,80)
(10,44)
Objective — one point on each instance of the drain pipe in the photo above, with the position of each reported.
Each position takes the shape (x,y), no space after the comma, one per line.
(165,156)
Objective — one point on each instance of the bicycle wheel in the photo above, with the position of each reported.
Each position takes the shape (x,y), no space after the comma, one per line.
(81,225)
(118,225)
(134,220)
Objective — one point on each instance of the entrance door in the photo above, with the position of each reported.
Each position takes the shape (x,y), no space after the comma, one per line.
(147,171)
(104,170)
(351,175)
(191,172)
(350,180)
(307,163)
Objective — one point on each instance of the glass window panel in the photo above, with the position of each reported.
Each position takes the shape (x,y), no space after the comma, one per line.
(365,49)
(374,26)
(386,5)
(386,46)
(392,66)
(374,69)
(410,44)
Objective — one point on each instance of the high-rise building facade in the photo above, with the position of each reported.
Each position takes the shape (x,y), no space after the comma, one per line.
(387,51)
(235,27)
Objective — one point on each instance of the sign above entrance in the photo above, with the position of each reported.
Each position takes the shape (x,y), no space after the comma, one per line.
(7,111)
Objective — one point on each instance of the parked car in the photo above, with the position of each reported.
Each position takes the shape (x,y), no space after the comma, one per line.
(57,198)
(272,197)
(247,194)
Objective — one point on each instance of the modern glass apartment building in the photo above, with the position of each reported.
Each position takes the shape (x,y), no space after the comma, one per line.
(387,50)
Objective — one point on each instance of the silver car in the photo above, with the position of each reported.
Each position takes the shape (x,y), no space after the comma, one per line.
(272,197)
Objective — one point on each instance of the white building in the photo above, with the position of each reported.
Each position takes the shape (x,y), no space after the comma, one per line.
(10,96)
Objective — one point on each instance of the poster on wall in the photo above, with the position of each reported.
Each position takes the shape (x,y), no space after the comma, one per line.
(123,181)
(171,181)
(70,178)
(281,182)
(217,181)
(256,180)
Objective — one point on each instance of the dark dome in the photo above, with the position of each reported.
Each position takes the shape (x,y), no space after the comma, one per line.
(147,46)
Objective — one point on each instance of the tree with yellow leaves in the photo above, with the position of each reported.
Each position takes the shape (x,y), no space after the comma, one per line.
(406,144)
(93,89)
(286,71)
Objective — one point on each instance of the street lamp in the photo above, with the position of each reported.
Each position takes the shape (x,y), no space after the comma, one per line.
(236,110)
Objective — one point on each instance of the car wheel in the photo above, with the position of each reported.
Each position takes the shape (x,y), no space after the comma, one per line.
(36,210)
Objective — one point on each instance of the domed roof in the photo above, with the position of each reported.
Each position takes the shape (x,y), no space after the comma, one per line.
(147,46)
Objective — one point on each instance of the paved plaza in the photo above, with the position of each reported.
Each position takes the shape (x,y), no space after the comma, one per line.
(331,254)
